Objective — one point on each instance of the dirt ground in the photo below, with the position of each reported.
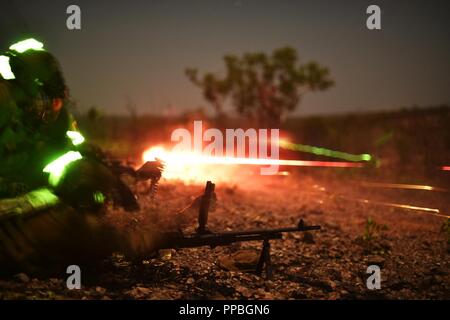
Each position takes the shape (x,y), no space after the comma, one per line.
(360,227)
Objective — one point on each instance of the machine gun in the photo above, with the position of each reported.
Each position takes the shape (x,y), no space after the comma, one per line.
(205,237)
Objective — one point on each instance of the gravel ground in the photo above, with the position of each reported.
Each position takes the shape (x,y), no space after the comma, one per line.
(408,245)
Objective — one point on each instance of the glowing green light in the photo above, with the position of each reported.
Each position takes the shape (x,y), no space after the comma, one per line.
(28,44)
(325,152)
(76,137)
(99,197)
(5,68)
(42,198)
(56,168)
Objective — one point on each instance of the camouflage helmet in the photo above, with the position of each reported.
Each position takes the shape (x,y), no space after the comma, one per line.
(38,74)
(36,70)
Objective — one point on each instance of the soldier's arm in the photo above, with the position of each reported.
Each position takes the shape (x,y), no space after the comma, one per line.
(10,114)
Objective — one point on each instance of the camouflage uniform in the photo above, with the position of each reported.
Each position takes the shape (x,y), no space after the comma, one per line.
(14,144)
(30,131)
(33,131)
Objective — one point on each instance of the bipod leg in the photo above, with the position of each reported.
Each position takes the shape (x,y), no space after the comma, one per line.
(264,260)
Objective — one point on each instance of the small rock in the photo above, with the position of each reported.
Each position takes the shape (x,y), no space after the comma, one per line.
(241,260)
(244,291)
(166,254)
(22,277)
(190,281)
(138,292)
(298,294)
(100,290)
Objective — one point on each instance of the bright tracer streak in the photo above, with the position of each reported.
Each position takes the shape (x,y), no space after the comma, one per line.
(402,186)
(416,209)
(199,159)
(432,211)
(194,168)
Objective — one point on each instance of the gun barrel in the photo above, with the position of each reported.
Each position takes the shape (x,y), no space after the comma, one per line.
(177,240)
(271,231)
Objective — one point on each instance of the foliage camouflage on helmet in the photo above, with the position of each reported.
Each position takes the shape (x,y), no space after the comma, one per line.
(38,70)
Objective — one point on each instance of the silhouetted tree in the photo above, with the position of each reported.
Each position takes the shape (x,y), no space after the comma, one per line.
(260,86)
(93,114)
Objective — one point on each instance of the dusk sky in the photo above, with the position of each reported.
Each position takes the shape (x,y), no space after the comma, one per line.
(140,49)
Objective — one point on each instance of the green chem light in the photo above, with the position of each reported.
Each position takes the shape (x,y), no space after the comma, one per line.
(76,137)
(56,168)
(325,152)
(5,68)
(42,198)
(28,44)
(99,197)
